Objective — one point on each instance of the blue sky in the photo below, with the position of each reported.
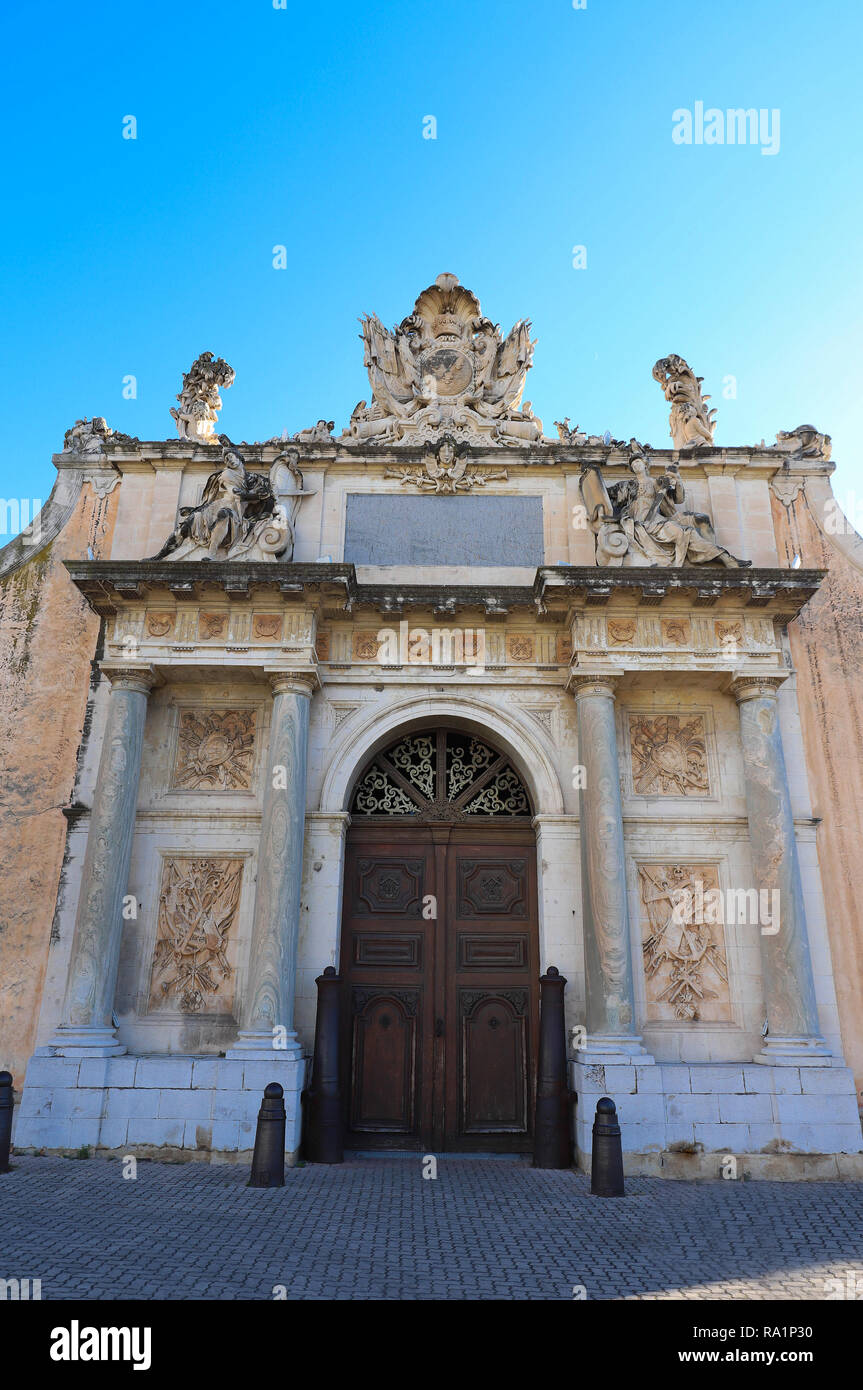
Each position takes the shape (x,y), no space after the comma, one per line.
(259,126)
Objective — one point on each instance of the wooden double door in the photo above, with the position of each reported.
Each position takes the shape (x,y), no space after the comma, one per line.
(439,962)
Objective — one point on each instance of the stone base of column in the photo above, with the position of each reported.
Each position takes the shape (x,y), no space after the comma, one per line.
(619,1049)
(161,1107)
(259,1047)
(684,1119)
(83,1042)
(810,1051)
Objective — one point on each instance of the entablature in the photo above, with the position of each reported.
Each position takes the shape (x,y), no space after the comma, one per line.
(198,614)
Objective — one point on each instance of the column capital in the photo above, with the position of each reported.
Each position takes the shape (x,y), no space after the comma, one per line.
(757,687)
(126,675)
(299,681)
(582,685)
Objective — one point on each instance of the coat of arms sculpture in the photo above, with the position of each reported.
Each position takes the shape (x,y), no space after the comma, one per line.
(446,370)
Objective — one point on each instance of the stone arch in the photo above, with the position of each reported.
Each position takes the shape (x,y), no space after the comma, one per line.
(523,745)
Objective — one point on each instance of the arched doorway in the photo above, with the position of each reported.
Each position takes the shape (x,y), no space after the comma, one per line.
(439,949)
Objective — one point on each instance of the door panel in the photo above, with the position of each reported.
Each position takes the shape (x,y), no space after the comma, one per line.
(492,987)
(493,1062)
(384,1052)
(439,1012)
(387,1003)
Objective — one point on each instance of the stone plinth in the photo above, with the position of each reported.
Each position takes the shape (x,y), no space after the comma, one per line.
(711,1110)
(199,1105)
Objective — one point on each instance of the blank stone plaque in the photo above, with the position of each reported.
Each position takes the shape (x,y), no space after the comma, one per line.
(491,531)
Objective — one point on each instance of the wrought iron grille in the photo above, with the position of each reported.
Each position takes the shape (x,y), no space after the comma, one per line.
(440,774)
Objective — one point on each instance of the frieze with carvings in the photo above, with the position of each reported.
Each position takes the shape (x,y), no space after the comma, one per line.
(215,750)
(366,646)
(198,903)
(159,624)
(621,631)
(676,632)
(729,634)
(212,626)
(267,627)
(683,944)
(669,755)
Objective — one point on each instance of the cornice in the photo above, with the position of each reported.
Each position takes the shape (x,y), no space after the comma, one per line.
(557,591)
(143,455)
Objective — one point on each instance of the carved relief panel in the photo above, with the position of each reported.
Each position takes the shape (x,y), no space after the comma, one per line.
(215,750)
(491,888)
(389,887)
(683,943)
(670,754)
(193,968)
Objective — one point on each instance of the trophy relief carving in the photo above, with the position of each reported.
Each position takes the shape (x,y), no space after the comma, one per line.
(683,943)
(669,755)
(198,903)
(215,750)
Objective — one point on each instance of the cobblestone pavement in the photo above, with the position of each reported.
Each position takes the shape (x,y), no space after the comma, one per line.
(375,1229)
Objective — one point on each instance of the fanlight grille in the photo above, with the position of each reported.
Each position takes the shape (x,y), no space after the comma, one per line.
(440,774)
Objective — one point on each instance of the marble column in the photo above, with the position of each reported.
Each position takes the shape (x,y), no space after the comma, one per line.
(87,1029)
(268,1010)
(605,912)
(789,991)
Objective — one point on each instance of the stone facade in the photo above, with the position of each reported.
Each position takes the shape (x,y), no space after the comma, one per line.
(672,682)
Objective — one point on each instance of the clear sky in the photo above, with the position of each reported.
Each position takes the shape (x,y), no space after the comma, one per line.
(303,127)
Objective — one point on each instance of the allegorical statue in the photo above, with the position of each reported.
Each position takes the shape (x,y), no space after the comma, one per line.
(643,520)
(199,398)
(691,424)
(241,515)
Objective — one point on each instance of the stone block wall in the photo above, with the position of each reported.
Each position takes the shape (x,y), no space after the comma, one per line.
(749,1110)
(826,645)
(48,639)
(194,1104)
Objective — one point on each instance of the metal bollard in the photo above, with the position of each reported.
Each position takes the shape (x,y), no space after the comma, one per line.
(323,1099)
(552,1145)
(268,1160)
(7,1104)
(606,1163)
